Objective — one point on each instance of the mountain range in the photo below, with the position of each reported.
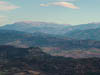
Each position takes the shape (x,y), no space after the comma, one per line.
(55,39)
(78,32)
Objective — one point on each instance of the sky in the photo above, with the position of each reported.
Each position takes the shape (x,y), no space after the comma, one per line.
(58,11)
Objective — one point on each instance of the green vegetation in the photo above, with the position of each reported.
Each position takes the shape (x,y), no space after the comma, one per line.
(2,73)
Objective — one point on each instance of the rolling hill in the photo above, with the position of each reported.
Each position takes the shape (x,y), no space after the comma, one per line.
(44,40)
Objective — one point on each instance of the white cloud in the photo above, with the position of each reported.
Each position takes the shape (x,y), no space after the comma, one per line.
(44,5)
(67,0)
(5,6)
(62,4)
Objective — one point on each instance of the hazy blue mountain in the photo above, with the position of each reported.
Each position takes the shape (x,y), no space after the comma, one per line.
(49,28)
(44,27)
(83,27)
(86,26)
(90,34)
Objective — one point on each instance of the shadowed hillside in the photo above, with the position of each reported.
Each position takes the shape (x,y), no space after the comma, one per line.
(17,38)
(32,61)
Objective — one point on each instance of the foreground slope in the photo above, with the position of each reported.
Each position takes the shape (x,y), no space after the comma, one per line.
(35,62)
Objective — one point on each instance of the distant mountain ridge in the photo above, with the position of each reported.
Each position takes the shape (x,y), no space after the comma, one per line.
(49,28)
(44,27)
(87,26)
